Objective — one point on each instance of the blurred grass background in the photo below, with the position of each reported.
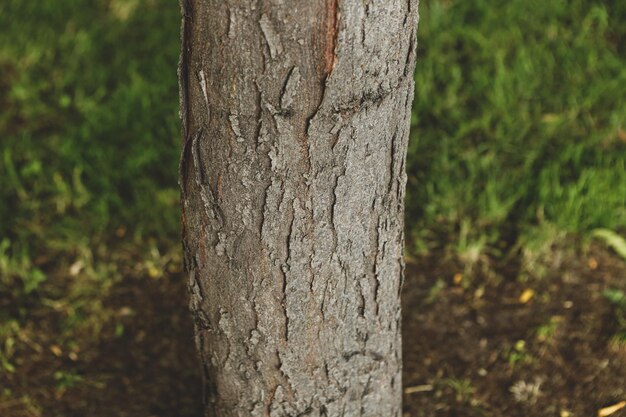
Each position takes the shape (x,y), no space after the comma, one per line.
(518,128)
(518,146)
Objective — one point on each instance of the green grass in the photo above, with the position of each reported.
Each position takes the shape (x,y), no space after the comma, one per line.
(89,149)
(519,122)
(518,142)
(89,120)
(618,299)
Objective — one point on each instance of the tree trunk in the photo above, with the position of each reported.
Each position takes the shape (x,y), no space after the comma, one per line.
(296,121)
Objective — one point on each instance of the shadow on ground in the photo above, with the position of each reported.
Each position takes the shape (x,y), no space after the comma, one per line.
(491,345)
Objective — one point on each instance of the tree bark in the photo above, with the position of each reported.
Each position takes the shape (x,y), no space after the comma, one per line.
(295,121)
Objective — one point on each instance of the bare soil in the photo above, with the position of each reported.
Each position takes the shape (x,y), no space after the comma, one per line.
(481,344)
(483,349)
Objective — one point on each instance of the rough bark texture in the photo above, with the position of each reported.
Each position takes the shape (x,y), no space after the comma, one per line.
(296,120)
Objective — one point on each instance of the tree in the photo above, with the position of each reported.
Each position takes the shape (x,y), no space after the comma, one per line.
(295,122)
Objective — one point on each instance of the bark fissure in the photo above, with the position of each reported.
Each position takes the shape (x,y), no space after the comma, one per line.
(332,28)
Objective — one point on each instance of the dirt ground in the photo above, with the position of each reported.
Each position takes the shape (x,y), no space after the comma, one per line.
(489,345)
(497,346)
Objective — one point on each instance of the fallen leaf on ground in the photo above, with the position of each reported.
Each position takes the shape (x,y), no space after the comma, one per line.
(418,388)
(526,295)
(607,411)
(56,350)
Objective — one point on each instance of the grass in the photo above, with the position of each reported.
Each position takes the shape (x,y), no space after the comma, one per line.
(518,144)
(88,161)
(519,124)
(618,299)
(89,119)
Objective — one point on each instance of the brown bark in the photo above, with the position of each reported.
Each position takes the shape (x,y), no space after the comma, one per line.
(295,121)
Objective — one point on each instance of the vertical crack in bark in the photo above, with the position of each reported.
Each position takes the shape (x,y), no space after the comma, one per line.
(333,209)
(361,305)
(283,302)
(285,269)
(392,161)
(323,304)
(363,23)
(409,62)
(332,29)
(183,86)
(258,114)
(378,257)
(231,23)
(264,210)
(184,63)
(209,202)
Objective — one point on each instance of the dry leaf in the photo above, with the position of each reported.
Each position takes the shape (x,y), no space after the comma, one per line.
(418,388)
(526,295)
(153,272)
(56,350)
(607,411)
(76,267)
